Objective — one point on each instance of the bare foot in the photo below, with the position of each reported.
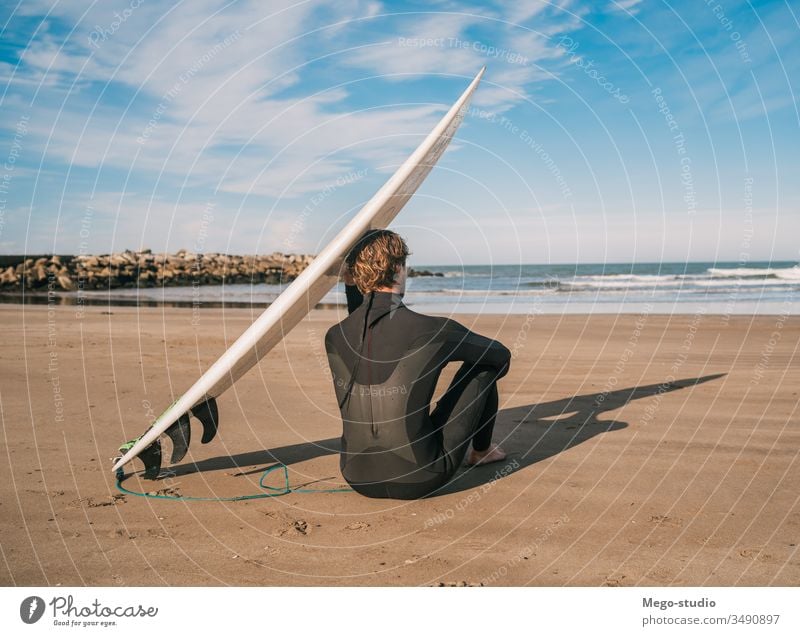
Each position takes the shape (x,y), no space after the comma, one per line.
(492,454)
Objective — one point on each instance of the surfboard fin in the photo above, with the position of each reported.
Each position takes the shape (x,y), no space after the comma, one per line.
(150,456)
(181,434)
(208,414)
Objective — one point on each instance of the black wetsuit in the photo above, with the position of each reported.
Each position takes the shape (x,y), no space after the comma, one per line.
(386,360)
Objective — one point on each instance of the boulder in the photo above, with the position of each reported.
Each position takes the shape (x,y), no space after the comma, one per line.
(65,282)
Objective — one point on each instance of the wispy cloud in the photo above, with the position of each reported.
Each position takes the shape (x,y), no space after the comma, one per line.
(626,6)
(514,41)
(203,93)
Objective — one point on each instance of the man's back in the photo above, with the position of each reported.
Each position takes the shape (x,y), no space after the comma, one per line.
(386,361)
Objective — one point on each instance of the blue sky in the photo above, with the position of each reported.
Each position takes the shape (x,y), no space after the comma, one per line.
(602,131)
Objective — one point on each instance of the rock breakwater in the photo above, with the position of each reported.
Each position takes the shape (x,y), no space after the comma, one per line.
(130,269)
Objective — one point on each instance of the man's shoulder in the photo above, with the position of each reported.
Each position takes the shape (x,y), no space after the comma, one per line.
(424,323)
(423,319)
(337,330)
(440,321)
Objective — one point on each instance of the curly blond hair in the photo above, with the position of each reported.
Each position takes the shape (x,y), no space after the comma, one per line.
(375,259)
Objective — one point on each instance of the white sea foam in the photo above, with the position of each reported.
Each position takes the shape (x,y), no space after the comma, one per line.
(486,292)
(785,273)
(647,278)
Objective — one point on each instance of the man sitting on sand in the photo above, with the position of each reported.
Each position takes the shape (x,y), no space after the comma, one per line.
(386,360)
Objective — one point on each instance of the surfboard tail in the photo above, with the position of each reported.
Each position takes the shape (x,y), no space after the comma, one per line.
(179,433)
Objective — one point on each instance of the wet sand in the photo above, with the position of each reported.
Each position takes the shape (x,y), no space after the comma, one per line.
(643,450)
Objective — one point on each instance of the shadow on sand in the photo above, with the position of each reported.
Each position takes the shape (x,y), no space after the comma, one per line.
(529,434)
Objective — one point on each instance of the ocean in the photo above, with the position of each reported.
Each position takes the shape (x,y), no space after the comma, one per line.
(670,288)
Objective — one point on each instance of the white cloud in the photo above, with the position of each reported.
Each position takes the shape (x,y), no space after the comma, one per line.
(209,97)
(450,43)
(626,6)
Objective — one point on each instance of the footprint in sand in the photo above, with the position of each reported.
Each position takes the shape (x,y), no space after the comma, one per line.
(119,533)
(756,553)
(614,581)
(89,502)
(663,520)
(661,574)
(357,525)
(457,584)
(300,526)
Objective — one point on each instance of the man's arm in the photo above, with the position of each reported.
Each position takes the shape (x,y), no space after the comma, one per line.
(469,346)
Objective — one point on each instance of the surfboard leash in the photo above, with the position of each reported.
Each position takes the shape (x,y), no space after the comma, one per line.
(272,490)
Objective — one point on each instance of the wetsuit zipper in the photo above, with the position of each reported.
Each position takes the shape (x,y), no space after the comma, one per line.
(369,378)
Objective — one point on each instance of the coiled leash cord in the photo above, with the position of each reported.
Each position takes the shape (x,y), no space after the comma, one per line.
(273,491)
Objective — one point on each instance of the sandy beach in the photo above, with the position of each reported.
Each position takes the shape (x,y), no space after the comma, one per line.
(643,450)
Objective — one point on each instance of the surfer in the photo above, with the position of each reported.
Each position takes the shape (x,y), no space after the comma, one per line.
(386,360)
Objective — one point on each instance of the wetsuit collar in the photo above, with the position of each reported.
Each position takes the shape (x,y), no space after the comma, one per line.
(382,304)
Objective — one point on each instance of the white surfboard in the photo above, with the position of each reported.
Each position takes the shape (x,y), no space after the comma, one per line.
(310,286)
